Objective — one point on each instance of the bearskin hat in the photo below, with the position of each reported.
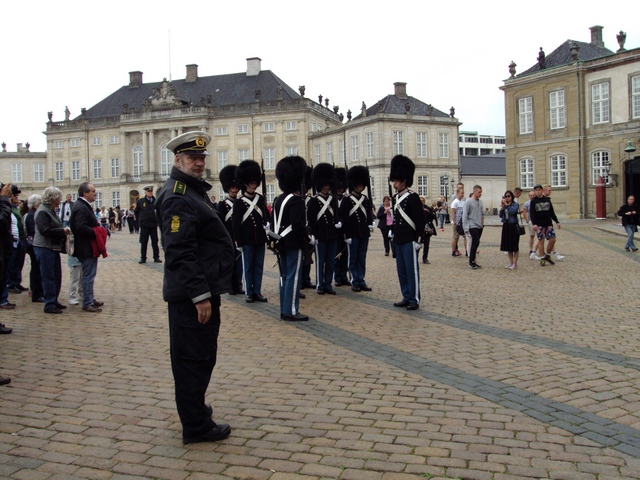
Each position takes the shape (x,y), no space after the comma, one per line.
(357,175)
(322,174)
(341,178)
(228,177)
(402,169)
(248,171)
(290,172)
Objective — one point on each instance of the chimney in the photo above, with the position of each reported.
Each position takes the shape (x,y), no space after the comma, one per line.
(596,36)
(400,89)
(192,73)
(135,79)
(253,66)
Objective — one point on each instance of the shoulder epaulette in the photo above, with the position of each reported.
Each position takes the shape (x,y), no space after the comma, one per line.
(180,188)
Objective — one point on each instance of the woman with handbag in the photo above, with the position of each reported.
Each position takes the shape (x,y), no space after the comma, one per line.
(48,242)
(509,242)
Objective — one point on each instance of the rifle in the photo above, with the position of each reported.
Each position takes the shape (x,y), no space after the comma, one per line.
(263,180)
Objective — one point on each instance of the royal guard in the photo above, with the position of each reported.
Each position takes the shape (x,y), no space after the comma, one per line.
(323,221)
(289,234)
(357,218)
(225,209)
(408,227)
(250,220)
(341,265)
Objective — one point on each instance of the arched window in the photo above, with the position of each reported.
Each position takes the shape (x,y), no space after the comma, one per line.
(166,161)
(526,172)
(137,161)
(599,166)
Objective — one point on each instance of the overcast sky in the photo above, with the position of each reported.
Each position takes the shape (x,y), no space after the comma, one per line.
(75,53)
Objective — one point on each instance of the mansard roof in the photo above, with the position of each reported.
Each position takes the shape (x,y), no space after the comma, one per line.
(484,165)
(562,56)
(228,89)
(394,104)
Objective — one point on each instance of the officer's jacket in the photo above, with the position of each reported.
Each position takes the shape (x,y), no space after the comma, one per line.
(323,228)
(225,209)
(356,220)
(145,213)
(292,214)
(198,250)
(407,205)
(248,229)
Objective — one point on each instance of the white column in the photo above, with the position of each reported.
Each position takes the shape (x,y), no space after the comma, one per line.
(145,151)
(152,152)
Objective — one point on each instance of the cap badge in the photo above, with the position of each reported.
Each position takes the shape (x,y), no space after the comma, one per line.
(200,142)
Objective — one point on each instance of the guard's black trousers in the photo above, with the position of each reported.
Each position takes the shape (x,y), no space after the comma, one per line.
(193,355)
(145,235)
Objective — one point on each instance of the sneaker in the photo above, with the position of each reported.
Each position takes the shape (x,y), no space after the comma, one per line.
(543,263)
(73,302)
(458,253)
(533,256)
(634,249)
(557,257)
(508,266)
(547,257)
(474,266)
(455,253)
(513,266)
(626,249)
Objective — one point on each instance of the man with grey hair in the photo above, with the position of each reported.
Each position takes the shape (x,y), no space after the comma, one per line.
(35,277)
(83,223)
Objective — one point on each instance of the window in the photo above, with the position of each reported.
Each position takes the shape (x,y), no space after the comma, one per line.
(98,200)
(292,151)
(423,186)
(343,152)
(115,167)
(137,162)
(558,171)
(221,130)
(59,171)
(57,144)
(115,199)
(74,142)
(526,172)
(16,172)
(398,143)
(313,126)
(444,186)
(599,162)
(354,148)
(490,140)
(243,154)
(97,169)
(368,144)
(114,139)
(421,144)
(443,145)
(74,196)
(525,115)
(269,158)
(600,102)
(75,170)
(556,109)
(320,126)
(318,154)
(38,172)
(223,159)
(242,129)
(291,125)
(372,188)
(635,97)
(330,153)
(270,127)
(271,192)
(96,141)
(166,161)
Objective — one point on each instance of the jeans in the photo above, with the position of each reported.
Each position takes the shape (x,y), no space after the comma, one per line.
(358,260)
(630,229)
(51,272)
(441,217)
(35,277)
(474,234)
(408,272)
(253,263)
(16,263)
(89,270)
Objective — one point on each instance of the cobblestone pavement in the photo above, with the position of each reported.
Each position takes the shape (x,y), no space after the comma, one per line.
(501,374)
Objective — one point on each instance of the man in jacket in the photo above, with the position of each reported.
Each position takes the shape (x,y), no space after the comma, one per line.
(65,210)
(82,223)
(148,225)
(199,265)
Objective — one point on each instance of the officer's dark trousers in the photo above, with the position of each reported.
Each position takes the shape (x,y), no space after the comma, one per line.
(193,355)
(145,235)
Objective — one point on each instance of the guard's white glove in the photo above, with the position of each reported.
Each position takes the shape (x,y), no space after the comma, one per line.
(417,246)
(312,240)
(347,241)
(372,226)
(267,226)
(339,225)
(390,234)
(239,248)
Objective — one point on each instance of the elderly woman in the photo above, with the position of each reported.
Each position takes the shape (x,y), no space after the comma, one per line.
(48,242)
(35,279)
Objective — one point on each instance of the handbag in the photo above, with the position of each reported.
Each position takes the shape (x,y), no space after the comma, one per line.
(69,245)
(520,227)
(459,228)
(429,230)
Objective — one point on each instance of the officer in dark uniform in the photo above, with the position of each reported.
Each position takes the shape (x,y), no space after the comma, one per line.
(225,209)
(250,219)
(342,256)
(408,227)
(148,225)
(357,219)
(199,265)
(290,231)
(322,217)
